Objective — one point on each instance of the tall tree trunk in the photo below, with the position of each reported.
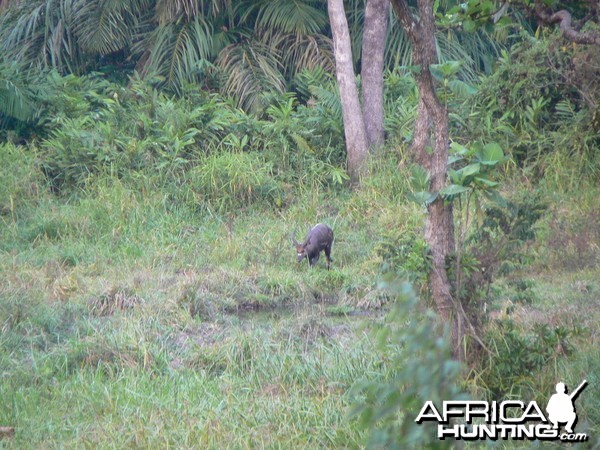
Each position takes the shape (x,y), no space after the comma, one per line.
(373,49)
(354,127)
(433,116)
(422,136)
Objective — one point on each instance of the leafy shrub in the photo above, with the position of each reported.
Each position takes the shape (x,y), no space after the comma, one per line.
(103,128)
(541,105)
(406,254)
(117,131)
(418,368)
(518,357)
(505,230)
(233,180)
(21,180)
(495,247)
(303,143)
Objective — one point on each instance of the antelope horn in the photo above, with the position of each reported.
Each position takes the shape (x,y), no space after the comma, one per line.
(293,237)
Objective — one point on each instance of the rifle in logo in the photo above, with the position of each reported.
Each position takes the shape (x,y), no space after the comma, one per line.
(561,408)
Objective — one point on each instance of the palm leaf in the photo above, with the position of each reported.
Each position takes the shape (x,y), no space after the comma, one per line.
(170,11)
(101,27)
(290,16)
(106,26)
(175,51)
(16,97)
(252,68)
(39,34)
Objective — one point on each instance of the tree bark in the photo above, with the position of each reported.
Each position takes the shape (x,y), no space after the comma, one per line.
(354,128)
(372,59)
(433,117)
(421,135)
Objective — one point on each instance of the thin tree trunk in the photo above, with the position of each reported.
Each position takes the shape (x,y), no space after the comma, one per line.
(433,116)
(354,127)
(372,58)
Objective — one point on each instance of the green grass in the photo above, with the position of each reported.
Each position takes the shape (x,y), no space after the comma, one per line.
(203,386)
(132,318)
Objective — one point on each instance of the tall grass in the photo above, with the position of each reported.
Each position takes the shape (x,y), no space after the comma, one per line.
(140,382)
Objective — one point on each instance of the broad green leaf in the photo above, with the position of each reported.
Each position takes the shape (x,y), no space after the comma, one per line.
(459,149)
(452,190)
(461,89)
(454,158)
(454,176)
(491,154)
(487,182)
(445,70)
(468,171)
(422,197)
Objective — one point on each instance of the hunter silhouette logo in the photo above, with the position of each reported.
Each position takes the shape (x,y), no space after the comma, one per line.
(510,419)
(561,408)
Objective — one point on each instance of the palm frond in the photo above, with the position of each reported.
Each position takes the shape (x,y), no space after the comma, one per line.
(174,51)
(19,27)
(291,16)
(39,34)
(104,27)
(328,97)
(476,51)
(252,69)
(169,11)
(16,97)
(299,52)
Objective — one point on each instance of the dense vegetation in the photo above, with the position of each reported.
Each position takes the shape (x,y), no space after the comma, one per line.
(150,295)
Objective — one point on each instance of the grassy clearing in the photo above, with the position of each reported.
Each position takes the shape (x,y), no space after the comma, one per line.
(129,320)
(190,384)
(133,319)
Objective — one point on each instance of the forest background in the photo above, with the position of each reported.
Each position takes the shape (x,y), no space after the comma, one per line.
(155,157)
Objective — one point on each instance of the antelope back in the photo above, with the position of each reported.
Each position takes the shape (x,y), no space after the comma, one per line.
(319,238)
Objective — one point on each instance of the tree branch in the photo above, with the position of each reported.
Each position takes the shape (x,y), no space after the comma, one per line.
(563,18)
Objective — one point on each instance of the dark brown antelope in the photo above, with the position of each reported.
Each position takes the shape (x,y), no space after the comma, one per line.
(319,239)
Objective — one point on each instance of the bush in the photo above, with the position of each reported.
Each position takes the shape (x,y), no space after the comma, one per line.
(541,104)
(21,180)
(227,180)
(519,357)
(419,368)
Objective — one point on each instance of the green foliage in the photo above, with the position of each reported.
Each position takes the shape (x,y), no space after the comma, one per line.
(175,51)
(401,100)
(233,180)
(420,370)
(165,268)
(21,182)
(506,230)
(239,48)
(517,291)
(405,254)
(496,244)
(508,374)
(97,128)
(474,177)
(16,96)
(540,105)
